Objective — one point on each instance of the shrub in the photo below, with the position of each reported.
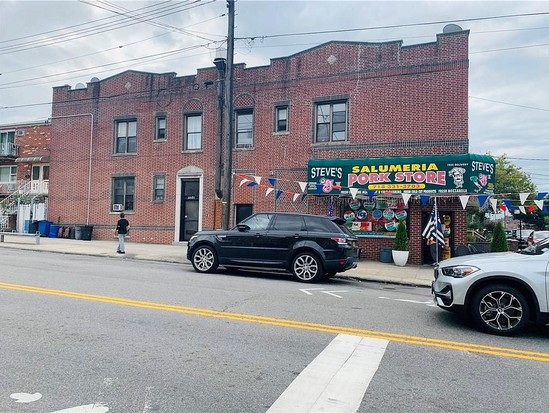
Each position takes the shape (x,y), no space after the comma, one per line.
(499,240)
(401,239)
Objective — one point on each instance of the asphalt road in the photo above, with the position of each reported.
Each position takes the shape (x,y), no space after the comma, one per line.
(99,334)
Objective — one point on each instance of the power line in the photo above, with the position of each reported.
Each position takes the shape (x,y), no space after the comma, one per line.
(510,104)
(395,26)
(96,30)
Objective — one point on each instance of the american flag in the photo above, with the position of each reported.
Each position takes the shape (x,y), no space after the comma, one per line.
(433,229)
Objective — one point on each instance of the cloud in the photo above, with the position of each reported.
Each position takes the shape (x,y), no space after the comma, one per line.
(508,82)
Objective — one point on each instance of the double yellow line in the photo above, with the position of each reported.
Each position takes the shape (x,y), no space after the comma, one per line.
(402,338)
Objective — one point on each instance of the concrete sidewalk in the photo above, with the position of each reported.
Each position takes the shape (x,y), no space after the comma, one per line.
(176,253)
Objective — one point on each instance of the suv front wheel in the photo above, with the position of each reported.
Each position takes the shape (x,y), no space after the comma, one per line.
(204,259)
(500,309)
(307,268)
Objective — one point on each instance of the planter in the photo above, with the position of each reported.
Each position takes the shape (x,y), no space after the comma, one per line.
(400,257)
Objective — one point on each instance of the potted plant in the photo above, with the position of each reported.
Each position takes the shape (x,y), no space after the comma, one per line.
(400,245)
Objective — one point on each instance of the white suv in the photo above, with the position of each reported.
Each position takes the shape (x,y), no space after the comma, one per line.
(502,292)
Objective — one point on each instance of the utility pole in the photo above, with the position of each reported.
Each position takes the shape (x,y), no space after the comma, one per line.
(229,132)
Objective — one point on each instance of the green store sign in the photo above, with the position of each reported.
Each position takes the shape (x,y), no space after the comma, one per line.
(452,174)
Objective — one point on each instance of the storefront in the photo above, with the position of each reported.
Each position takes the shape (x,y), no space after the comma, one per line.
(374,194)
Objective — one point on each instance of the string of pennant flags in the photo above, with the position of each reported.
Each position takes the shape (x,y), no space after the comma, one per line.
(503,204)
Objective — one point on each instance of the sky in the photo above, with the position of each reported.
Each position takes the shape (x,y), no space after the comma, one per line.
(44,44)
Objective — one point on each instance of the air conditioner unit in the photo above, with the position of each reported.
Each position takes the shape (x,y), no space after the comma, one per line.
(117,207)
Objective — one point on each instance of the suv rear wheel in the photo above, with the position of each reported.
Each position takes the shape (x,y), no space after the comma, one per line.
(307,268)
(500,309)
(204,259)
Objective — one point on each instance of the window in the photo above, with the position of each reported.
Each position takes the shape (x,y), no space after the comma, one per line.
(124,192)
(244,128)
(7,143)
(158,187)
(126,136)
(258,222)
(8,174)
(331,122)
(281,119)
(288,223)
(193,132)
(160,133)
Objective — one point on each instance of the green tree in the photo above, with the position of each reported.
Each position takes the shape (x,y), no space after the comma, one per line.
(511,178)
(499,240)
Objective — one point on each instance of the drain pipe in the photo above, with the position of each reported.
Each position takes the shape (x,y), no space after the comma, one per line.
(221,64)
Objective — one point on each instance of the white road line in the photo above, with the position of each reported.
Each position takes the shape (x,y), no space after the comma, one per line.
(336,380)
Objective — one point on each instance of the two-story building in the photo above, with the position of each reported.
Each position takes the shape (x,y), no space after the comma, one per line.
(24,173)
(149,144)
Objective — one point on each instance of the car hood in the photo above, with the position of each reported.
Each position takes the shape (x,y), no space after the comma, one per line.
(479,260)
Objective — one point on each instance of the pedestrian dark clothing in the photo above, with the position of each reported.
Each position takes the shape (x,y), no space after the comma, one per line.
(122,229)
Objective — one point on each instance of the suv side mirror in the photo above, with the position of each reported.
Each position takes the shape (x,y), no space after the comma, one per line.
(243,228)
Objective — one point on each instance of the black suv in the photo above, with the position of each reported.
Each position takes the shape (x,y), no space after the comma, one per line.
(309,246)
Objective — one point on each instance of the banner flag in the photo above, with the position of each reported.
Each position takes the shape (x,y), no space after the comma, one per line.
(303,197)
(424,199)
(302,186)
(539,203)
(494,203)
(257,179)
(541,195)
(433,229)
(244,181)
(464,200)
(319,188)
(406,197)
(522,209)
(278,193)
(269,190)
(481,200)
(353,191)
(296,195)
(509,205)
(523,197)
(272,181)
(371,193)
(252,183)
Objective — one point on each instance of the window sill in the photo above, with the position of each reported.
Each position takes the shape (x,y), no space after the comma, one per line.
(281,133)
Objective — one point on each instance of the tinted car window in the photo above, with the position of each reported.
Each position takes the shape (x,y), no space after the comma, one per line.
(258,222)
(318,224)
(288,223)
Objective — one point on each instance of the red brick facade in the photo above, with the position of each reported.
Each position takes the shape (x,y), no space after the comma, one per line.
(401,101)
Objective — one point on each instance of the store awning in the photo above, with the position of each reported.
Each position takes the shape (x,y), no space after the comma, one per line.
(34,159)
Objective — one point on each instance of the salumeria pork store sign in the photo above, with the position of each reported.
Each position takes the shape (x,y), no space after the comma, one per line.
(459,174)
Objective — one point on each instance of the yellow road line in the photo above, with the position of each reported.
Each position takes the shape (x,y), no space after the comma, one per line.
(402,338)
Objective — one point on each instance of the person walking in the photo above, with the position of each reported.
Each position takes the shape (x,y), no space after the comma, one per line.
(122,229)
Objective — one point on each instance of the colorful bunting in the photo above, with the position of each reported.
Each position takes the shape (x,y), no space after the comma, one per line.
(464,200)
(424,199)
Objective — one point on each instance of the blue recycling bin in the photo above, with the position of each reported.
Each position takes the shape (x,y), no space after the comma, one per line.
(54,231)
(44,228)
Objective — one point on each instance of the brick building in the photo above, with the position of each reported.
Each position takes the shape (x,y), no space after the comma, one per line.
(24,171)
(148,144)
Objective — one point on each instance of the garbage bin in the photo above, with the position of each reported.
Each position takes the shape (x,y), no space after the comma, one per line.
(87,232)
(54,231)
(44,228)
(386,255)
(78,232)
(33,227)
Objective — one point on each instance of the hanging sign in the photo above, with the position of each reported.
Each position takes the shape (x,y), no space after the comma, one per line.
(462,173)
